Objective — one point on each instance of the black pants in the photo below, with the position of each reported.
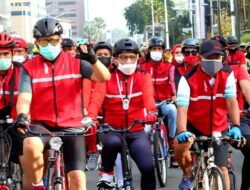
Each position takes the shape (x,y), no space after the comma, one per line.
(140,152)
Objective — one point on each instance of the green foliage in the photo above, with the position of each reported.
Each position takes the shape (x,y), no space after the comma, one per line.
(30,46)
(93,30)
(245,37)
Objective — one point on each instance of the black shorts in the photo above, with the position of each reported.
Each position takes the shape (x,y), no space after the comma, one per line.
(73,148)
(220,152)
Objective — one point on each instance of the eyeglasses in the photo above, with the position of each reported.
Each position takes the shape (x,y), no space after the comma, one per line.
(126,57)
(45,42)
(193,52)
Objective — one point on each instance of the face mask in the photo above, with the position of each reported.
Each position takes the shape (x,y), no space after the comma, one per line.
(5,64)
(18,58)
(191,60)
(155,55)
(127,69)
(248,55)
(211,66)
(50,52)
(179,58)
(232,50)
(105,60)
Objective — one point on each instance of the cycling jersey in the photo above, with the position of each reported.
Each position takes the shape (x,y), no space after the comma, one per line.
(236,58)
(239,74)
(9,92)
(160,73)
(136,88)
(49,97)
(197,91)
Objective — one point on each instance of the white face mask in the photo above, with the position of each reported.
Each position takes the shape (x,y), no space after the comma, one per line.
(179,58)
(18,58)
(156,55)
(127,69)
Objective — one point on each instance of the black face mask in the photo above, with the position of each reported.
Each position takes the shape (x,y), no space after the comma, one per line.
(232,50)
(105,60)
(248,55)
(211,67)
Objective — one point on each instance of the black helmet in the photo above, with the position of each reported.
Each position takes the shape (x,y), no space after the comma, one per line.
(125,45)
(220,39)
(103,45)
(47,27)
(190,43)
(232,40)
(153,42)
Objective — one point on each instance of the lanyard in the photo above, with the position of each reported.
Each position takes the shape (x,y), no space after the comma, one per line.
(125,101)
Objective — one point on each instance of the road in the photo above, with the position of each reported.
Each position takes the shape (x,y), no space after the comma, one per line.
(174,175)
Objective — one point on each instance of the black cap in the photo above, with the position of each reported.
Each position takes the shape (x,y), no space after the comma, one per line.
(220,39)
(211,47)
(68,42)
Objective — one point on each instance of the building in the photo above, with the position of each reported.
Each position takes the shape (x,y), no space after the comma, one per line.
(24,14)
(4,16)
(72,10)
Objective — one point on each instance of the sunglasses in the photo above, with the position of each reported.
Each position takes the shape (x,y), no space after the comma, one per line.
(45,42)
(125,57)
(193,52)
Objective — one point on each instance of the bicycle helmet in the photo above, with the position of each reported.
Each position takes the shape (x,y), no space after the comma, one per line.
(47,27)
(125,45)
(153,42)
(220,39)
(102,45)
(6,41)
(20,43)
(232,40)
(190,43)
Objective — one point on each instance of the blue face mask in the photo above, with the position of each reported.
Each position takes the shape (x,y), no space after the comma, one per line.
(5,64)
(50,52)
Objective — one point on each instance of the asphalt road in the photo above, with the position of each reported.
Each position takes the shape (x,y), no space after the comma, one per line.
(174,175)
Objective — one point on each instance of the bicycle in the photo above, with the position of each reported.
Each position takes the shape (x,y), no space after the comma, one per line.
(10,173)
(125,156)
(160,150)
(231,174)
(56,178)
(206,174)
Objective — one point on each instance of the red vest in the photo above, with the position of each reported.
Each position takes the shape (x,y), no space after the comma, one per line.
(114,114)
(5,83)
(160,78)
(207,110)
(56,91)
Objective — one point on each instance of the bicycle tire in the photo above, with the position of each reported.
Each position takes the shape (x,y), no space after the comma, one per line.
(159,159)
(58,186)
(213,174)
(232,180)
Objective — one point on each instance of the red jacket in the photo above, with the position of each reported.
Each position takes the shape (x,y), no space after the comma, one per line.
(239,74)
(6,82)
(236,58)
(207,106)
(160,78)
(56,91)
(109,96)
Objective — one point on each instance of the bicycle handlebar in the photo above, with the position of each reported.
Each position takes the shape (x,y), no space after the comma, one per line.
(214,139)
(106,127)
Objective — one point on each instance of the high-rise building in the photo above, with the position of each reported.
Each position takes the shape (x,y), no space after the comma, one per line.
(4,16)
(24,15)
(73,10)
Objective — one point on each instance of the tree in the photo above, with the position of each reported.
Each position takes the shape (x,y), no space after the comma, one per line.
(93,30)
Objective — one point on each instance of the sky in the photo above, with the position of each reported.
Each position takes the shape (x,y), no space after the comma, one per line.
(111,11)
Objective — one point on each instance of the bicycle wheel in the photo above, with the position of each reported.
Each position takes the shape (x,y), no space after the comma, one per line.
(232,180)
(216,179)
(160,159)
(58,186)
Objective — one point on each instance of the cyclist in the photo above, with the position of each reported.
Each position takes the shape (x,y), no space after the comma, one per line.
(9,76)
(126,95)
(143,53)
(20,51)
(68,45)
(235,56)
(242,47)
(163,90)
(204,95)
(190,50)
(103,51)
(50,91)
